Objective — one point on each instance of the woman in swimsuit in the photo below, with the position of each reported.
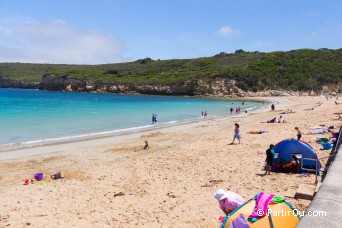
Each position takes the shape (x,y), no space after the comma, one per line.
(237,133)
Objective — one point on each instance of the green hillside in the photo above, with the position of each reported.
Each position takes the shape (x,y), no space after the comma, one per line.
(303,69)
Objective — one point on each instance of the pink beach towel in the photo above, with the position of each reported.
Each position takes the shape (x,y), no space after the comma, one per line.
(260,209)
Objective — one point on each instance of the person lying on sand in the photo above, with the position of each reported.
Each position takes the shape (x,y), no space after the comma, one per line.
(274,120)
(287,112)
(338,118)
(308,109)
(257,132)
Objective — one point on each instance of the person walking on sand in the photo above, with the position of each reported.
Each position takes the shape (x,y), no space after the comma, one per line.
(299,133)
(228,200)
(146,145)
(236,133)
(269,159)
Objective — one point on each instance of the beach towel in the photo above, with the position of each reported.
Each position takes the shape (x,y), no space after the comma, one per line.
(261,207)
(277,199)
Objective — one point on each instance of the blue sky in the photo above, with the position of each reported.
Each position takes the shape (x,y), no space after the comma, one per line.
(111,31)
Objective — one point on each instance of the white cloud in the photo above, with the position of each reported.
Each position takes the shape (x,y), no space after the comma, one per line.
(227,31)
(57,42)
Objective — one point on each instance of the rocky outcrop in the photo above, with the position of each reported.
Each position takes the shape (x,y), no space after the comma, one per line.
(9,83)
(63,83)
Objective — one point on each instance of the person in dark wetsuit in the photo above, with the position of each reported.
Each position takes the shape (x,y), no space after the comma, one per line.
(269,159)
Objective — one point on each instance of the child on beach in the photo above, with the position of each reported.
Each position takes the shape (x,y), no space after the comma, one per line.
(299,133)
(236,133)
(146,145)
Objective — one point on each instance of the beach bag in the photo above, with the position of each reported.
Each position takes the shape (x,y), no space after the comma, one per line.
(38,176)
(239,222)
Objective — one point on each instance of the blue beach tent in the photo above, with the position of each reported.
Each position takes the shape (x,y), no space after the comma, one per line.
(303,151)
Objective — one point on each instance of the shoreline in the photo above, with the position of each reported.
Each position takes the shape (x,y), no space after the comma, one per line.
(114,182)
(28,150)
(5,148)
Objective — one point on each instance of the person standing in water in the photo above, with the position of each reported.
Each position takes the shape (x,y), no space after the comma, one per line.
(153,118)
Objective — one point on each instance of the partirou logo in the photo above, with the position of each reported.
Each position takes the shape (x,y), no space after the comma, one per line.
(294,212)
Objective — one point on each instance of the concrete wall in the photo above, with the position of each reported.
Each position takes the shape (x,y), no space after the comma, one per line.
(328,198)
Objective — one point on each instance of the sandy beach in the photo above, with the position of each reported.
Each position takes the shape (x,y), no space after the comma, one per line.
(113,182)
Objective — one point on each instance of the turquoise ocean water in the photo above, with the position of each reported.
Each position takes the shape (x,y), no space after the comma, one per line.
(33,116)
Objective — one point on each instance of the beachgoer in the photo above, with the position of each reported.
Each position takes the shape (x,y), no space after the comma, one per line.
(299,133)
(272,120)
(257,132)
(236,133)
(205,114)
(202,114)
(272,107)
(243,103)
(146,145)
(292,166)
(153,119)
(231,111)
(280,120)
(285,112)
(228,200)
(269,159)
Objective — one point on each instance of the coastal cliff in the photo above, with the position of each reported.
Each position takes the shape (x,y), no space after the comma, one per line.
(216,87)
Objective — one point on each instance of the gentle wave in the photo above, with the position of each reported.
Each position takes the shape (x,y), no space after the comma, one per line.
(82,136)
